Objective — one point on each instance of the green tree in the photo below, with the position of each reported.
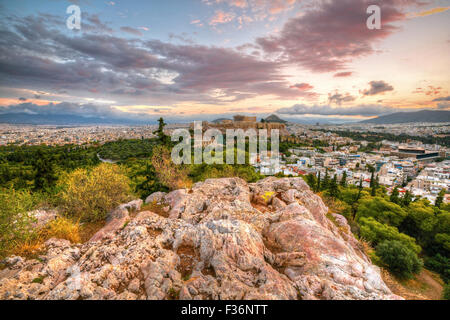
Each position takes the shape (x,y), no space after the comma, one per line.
(395,196)
(381,210)
(407,198)
(446,292)
(162,137)
(399,259)
(333,188)
(376,232)
(326,181)
(373,185)
(45,176)
(311,181)
(442,236)
(423,217)
(360,189)
(145,179)
(343,182)
(15,220)
(318,183)
(440,264)
(440,199)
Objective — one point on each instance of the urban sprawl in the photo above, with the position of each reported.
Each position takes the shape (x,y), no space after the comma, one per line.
(410,164)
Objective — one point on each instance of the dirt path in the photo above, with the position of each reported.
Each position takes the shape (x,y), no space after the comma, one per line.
(426,285)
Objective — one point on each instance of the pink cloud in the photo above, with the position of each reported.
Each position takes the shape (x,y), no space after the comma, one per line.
(429,91)
(221,17)
(328,37)
(256,10)
(277,6)
(343,74)
(302,86)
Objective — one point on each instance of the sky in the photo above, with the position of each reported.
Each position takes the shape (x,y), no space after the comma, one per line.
(203,59)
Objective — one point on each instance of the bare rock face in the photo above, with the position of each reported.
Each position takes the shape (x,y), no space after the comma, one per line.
(224,239)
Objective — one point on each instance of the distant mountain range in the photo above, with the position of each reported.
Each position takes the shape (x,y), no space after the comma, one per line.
(64,119)
(58,119)
(408,117)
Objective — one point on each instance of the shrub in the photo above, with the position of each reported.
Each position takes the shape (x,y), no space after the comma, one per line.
(15,222)
(29,248)
(171,175)
(203,172)
(399,259)
(338,206)
(89,195)
(61,228)
(446,292)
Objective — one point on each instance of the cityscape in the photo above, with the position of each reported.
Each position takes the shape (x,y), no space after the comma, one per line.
(423,169)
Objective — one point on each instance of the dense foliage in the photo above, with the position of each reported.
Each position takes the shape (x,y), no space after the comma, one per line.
(15,221)
(90,194)
(418,228)
(126,149)
(398,258)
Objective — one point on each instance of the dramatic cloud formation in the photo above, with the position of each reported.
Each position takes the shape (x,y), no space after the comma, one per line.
(327,38)
(167,73)
(377,87)
(227,55)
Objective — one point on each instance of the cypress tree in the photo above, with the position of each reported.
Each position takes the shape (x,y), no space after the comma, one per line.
(326,181)
(162,137)
(440,199)
(344,179)
(318,183)
(333,188)
(395,196)
(407,198)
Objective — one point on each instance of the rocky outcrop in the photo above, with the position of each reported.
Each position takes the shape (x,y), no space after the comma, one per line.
(223,239)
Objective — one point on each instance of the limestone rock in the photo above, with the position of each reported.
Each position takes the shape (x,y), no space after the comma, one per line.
(156,197)
(217,243)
